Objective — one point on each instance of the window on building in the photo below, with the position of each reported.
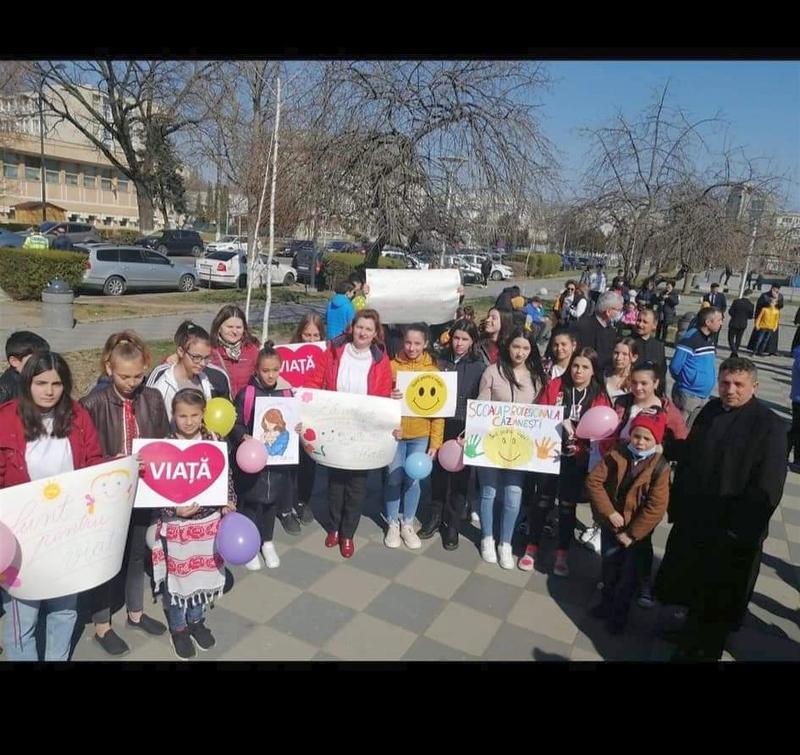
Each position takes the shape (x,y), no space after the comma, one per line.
(89,180)
(71,174)
(10,165)
(33,169)
(122,183)
(52,172)
(105,180)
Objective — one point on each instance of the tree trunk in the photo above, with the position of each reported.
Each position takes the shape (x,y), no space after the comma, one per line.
(146,209)
(688,279)
(374,253)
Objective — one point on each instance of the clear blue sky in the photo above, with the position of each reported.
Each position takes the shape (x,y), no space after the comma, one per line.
(760,100)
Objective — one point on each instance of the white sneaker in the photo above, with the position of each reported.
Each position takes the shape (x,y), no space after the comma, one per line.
(254,564)
(506,556)
(392,538)
(487,550)
(410,537)
(270,555)
(591,538)
(475,520)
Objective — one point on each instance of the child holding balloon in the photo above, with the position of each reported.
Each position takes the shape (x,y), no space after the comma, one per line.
(184,537)
(418,436)
(260,489)
(448,506)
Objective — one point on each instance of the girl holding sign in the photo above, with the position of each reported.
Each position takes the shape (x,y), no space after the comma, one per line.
(448,507)
(417,435)
(517,377)
(123,410)
(185,563)
(578,390)
(43,433)
(356,362)
(261,494)
(233,348)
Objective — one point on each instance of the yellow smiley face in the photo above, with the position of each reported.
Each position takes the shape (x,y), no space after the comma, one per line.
(52,490)
(426,394)
(508,448)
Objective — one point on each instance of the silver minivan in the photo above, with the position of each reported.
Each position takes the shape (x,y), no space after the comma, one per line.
(115,269)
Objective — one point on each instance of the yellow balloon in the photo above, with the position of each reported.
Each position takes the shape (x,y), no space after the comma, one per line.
(220,416)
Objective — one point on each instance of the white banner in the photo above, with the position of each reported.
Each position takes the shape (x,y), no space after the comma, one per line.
(274,421)
(406,296)
(182,473)
(71,529)
(348,430)
(513,436)
(428,394)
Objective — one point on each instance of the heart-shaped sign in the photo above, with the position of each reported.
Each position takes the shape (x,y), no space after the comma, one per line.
(180,474)
(298,360)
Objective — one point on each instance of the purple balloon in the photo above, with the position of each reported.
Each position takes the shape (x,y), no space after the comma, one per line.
(8,547)
(238,540)
(451,456)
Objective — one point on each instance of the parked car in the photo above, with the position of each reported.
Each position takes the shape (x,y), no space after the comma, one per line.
(499,271)
(174,242)
(410,262)
(76,233)
(230,269)
(230,244)
(339,246)
(115,269)
(10,240)
(306,259)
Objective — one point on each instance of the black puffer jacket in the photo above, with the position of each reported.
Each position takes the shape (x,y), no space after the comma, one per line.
(469,369)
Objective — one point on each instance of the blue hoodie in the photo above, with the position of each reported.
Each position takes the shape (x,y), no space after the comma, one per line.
(694,365)
(796,376)
(338,315)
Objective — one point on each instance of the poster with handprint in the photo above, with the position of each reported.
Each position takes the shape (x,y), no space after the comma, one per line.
(513,436)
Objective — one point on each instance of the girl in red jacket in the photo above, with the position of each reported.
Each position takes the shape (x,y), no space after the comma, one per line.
(233,348)
(579,389)
(43,433)
(355,362)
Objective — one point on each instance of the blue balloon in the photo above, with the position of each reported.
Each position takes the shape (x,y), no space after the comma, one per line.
(418,466)
(238,539)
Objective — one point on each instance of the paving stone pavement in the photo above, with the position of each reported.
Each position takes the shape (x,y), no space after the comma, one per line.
(432,604)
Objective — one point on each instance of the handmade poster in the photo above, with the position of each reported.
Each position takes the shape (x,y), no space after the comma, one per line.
(513,436)
(405,296)
(182,473)
(274,423)
(298,360)
(71,529)
(348,430)
(428,394)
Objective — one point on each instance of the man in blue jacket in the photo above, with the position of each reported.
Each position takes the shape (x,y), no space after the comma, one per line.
(693,367)
(340,311)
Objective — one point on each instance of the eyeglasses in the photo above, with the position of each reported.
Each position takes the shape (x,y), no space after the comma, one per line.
(197,358)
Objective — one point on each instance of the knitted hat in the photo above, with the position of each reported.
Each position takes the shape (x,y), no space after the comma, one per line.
(518,302)
(655,423)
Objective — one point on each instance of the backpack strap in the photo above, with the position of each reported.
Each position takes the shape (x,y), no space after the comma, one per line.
(249,401)
(661,465)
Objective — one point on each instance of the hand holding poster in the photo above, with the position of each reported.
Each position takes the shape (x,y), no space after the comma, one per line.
(274,421)
(513,436)
(434,292)
(71,529)
(348,430)
(428,394)
(298,360)
(182,473)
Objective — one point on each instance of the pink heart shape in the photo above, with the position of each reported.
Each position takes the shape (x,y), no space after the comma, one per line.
(297,363)
(309,434)
(179,474)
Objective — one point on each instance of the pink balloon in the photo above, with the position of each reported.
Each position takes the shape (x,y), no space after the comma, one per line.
(597,423)
(8,547)
(251,456)
(451,456)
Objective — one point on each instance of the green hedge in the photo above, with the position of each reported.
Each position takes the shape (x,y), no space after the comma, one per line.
(337,266)
(24,273)
(119,235)
(539,265)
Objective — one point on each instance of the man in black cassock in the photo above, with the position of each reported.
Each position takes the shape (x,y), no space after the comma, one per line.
(763,301)
(728,482)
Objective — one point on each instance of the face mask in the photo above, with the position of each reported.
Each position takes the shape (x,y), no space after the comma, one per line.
(641,454)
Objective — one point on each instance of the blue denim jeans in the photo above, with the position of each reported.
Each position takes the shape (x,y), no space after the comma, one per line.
(511,482)
(19,630)
(762,341)
(178,616)
(398,483)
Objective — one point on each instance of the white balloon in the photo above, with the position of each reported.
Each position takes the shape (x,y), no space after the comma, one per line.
(542,292)
(150,536)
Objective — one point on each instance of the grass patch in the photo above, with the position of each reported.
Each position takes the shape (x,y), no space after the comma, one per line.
(234,296)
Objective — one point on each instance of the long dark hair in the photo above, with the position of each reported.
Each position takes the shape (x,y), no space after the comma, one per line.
(29,412)
(469,327)
(595,387)
(228,311)
(424,330)
(187,332)
(658,374)
(533,362)
(310,318)
(506,325)
(561,330)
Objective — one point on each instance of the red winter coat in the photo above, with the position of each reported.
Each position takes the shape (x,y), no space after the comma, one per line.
(379,378)
(13,469)
(239,372)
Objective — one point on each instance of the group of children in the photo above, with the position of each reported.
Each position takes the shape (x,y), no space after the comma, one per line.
(499,361)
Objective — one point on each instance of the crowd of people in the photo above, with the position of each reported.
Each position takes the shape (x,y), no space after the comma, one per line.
(714,466)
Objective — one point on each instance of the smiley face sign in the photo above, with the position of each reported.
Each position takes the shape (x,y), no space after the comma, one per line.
(428,394)
(508,448)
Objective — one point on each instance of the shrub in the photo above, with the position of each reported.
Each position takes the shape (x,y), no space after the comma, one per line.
(24,273)
(539,265)
(337,266)
(119,235)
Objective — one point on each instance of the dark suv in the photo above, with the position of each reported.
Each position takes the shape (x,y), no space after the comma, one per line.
(182,243)
(74,233)
(307,260)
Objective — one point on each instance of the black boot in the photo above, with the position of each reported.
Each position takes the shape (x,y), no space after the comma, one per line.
(432,527)
(449,537)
